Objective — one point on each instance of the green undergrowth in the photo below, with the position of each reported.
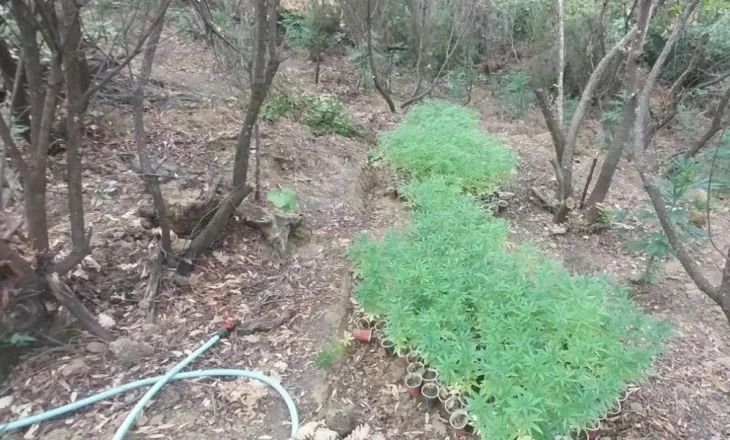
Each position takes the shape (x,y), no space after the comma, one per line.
(537,351)
(324,114)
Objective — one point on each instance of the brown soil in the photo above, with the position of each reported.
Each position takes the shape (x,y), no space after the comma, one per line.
(686,397)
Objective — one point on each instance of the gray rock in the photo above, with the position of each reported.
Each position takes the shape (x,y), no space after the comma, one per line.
(96,347)
(341,419)
(275,226)
(77,366)
(129,352)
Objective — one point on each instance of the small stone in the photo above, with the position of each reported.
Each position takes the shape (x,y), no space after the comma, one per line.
(341,419)
(157,420)
(96,347)
(181,281)
(76,366)
(150,329)
(142,420)
(129,352)
(636,407)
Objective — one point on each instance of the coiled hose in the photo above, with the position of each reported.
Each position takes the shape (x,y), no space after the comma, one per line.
(157,383)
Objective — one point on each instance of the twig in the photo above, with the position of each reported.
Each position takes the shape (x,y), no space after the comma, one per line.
(588,182)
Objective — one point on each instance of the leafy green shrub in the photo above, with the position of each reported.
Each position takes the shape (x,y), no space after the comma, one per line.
(295,28)
(325,114)
(277,106)
(284,198)
(536,351)
(649,236)
(442,139)
(512,91)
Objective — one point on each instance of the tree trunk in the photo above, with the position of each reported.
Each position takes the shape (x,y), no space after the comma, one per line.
(74,122)
(264,71)
(371,57)
(608,169)
(561,61)
(151,181)
(257,176)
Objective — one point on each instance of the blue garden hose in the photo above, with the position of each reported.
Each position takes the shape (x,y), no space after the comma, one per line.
(157,383)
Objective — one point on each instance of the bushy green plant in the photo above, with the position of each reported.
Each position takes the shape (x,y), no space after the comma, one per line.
(443,139)
(325,114)
(284,198)
(513,93)
(295,28)
(536,351)
(649,236)
(279,105)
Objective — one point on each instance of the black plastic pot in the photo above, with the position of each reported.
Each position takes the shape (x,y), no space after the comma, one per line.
(429,394)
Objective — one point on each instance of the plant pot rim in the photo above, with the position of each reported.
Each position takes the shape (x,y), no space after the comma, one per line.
(430,384)
(459,413)
(360,326)
(435,373)
(413,375)
(385,341)
(419,371)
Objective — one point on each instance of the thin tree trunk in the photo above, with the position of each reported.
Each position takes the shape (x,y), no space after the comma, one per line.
(74,123)
(419,56)
(371,57)
(619,141)
(561,62)
(151,181)
(12,73)
(714,128)
(257,177)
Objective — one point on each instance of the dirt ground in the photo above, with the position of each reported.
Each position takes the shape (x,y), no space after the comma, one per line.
(687,395)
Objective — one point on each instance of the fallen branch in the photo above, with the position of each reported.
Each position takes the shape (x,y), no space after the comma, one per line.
(263,324)
(66,298)
(546,203)
(153,284)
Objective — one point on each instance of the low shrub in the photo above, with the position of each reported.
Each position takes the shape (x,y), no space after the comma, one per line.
(324,114)
(537,352)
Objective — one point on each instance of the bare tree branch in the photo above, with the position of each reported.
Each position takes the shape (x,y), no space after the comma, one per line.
(138,48)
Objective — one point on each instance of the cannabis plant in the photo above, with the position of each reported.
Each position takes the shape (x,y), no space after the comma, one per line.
(537,352)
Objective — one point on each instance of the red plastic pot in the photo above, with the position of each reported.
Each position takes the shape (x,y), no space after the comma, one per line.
(364,335)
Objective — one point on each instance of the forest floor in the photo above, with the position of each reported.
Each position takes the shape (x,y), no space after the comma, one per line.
(685,397)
